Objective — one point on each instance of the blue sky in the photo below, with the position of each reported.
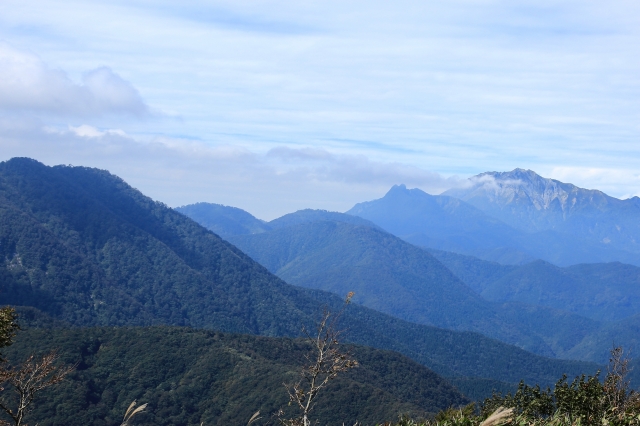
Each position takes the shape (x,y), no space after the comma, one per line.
(273,106)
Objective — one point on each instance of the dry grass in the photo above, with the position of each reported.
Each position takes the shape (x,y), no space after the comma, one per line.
(499,417)
(132,411)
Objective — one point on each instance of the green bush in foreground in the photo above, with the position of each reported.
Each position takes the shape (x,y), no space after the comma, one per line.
(586,401)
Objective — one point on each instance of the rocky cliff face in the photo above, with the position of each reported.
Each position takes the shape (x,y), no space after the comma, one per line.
(527,189)
(530,202)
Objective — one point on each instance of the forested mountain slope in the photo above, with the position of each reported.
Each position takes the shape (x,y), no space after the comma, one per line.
(600,291)
(83,246)
(397,278)
(386,273)
(86,248)
(191,376)
(224,220)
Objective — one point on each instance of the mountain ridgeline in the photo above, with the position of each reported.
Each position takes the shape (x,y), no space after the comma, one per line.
(529,202)
(447,223)
(399,279)
(600,291)
(84,248)
(224,220)
(535,306)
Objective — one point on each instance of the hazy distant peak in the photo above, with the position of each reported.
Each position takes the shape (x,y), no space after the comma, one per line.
(526,187)
(224,220)
(529,202)
(401,190)
(313,215)
(397,189)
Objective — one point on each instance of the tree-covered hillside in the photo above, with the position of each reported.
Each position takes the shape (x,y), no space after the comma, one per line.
(386,273)
(310,215)
(600,291)
(224,220)
(84,247)
(397,278)
(191,376)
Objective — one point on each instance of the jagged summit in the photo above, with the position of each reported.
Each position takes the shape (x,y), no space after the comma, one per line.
(529,202)
(562,222)
(526,188)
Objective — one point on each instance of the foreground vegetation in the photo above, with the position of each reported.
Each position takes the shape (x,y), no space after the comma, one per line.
(191,376)
(196,377)
(585,401)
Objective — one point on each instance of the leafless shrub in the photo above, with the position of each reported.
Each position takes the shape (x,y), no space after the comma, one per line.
(620,397)
(26,380)
(324,363)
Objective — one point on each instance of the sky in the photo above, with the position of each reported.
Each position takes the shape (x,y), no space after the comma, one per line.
(274,106)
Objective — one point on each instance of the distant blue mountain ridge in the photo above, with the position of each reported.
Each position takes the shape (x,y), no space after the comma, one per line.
(513,218)
(569,312)
(224,220)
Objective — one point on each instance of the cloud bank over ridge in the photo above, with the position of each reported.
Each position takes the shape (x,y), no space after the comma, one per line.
(179,172)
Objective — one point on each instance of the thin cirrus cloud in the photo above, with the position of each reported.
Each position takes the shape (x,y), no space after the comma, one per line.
(28,84)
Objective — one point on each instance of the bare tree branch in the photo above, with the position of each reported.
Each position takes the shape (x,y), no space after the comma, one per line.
(325,362)
(26,381)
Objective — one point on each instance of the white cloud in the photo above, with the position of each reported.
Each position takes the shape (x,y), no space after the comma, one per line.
(28,84)
(180,172)
(87,131)
(320,165)
(490,183)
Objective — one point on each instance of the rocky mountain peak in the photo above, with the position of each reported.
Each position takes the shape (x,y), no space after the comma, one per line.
(528,201)
(523,186)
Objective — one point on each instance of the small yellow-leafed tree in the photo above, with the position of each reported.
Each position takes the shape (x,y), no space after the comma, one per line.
(8,327)
(324,363)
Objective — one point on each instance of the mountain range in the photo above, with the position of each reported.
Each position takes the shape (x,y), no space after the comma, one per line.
(399,279)
(570,312)
(543,308)
(81,247)
(529,202)
(448,223)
